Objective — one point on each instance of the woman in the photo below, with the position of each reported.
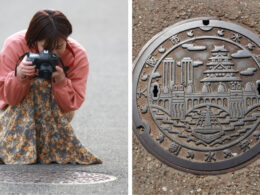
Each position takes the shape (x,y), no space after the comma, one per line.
(35,113)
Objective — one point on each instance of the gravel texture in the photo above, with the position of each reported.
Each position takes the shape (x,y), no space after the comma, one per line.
(150,176)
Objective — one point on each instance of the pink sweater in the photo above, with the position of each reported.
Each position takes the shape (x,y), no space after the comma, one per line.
(68,93)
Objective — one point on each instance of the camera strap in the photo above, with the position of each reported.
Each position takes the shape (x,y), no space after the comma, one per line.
(65,68)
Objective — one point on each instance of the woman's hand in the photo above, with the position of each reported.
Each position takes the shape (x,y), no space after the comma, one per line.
(25,69)
(59,74)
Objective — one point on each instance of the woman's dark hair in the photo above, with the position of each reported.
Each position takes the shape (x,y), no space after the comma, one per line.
(50,26)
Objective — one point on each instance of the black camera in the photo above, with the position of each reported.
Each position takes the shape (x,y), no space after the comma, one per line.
(45,62)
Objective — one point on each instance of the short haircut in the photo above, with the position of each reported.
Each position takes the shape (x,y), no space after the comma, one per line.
(48,25)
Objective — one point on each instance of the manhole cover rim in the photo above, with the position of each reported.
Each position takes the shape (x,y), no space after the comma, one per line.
(148,143)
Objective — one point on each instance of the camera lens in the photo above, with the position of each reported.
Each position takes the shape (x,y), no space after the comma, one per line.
(45,71)
(45,75)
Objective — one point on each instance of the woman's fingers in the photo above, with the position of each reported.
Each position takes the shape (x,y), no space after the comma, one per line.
(27,63)
(59,69)
(29,67)
(28,71)
(30,74)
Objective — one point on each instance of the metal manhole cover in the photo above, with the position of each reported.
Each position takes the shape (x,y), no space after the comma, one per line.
(196,102)
(53,177)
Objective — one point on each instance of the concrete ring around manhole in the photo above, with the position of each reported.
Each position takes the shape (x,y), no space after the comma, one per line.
(196,96)
(54,177)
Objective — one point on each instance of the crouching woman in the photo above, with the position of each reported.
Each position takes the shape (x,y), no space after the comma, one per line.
(35,113)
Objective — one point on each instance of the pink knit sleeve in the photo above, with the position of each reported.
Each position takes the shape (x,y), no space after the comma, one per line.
(12,88)
(70,92)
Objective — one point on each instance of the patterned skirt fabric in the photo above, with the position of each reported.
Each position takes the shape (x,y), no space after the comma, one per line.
(36,131)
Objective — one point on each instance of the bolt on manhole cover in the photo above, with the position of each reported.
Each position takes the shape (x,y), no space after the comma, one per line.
(53,177)
(196,100)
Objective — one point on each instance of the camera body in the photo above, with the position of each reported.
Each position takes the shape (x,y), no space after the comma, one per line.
(45,62)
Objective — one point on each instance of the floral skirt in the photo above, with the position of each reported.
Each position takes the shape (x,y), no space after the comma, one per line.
(36,131)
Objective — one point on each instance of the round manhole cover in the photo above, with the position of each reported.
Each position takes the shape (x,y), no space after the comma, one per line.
(53,177)
(196,96)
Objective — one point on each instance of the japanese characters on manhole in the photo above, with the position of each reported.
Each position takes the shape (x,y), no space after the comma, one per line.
(196,100)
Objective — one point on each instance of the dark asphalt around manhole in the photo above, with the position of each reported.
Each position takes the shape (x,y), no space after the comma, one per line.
(53,177)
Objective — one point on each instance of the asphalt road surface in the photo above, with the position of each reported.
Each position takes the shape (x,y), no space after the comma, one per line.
(101,123)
